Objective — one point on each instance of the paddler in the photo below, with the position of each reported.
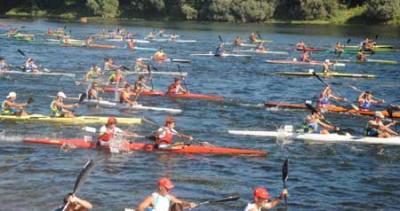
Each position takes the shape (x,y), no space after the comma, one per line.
(140,85)
(305,57)
(325,67)
(93,73)
(260,47)
(368,45)
(325,96)
(361,56)
(151,36)
(339,49)
(126,94)
(261,200)
(165,135)
(59,109)
(237,41)
(141,66)
(366,100)
(89,41)
(30,66)
(301,45)
(162,200)
(376,128)
(253,38)
(173,36)
(132,44)
(110,130)
(220,50)
(314,120)
(115,77)
(74,203)
(3,65)
(10,107)
(93,91)
(159,55)
(109,64)
(176,87)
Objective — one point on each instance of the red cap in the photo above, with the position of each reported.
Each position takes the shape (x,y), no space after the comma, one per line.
(111,120)
(166,183)
(261,192)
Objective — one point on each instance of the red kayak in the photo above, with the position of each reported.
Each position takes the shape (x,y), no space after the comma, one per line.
(188,95)
(144,93)
(190,149)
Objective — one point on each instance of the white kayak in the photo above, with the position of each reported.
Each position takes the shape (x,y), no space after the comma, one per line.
(144,49)
(324,138)
(109,104)
(156,73)
(262,51)
(223,55)
(122,39)
(15,72)
(241,45)
(168,60)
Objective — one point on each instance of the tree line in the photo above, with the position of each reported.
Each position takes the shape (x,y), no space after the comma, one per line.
(211,10)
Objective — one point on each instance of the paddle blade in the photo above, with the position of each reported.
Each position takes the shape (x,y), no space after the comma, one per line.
(29,101)
(285,172)
(348,41)
(82,97)
(83,175)
(259,35)
(21,52)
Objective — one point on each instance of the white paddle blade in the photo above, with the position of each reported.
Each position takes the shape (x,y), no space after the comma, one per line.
(89,129)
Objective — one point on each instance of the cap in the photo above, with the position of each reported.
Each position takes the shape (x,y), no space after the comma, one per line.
(327,60)
(12,94)
(61,94)
(166,183)
(111,120)
(261,192)
(379,114)
(169,120)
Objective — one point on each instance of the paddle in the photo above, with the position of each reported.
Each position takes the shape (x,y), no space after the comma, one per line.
(23,54)
(183,78)
(150,76)
(220,38)
(285,175)
(29,101)
(81,179)
(323,82)
(232,197)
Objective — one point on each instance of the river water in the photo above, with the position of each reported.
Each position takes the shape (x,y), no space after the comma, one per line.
(321,176)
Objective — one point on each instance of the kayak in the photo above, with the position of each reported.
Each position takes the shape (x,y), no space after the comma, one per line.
(188,95)
(101,46)
(15,72)
(185,149)
(311,49)
(168,60)
(262,51)
(242,44)
(330,74)
(293,61)
(183,41)
(356,49)
(375,46)
(74,120)
(325,138)
(144,93)
(331,108)
(368,61)
(144,49)
(156,73)
(223,55)
(109,104)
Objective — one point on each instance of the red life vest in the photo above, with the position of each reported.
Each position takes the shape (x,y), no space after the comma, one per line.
(107,136)
(167,138)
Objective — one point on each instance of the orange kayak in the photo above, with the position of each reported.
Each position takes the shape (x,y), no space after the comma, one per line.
(331,108)
(190,149)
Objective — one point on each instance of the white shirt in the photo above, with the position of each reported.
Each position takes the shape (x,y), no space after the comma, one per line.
(161,203)
(251,207)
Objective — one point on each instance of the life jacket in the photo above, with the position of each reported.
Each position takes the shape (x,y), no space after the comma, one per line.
(107,136)
(219,51)
(161,203)
(167,138)
(54,109)
(115,78)
(173,88)
(323,101)
(6,110)
(121,96)
(364,104)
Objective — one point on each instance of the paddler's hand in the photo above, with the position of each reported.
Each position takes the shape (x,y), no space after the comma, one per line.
(192,205)
(336,128)
(284,194)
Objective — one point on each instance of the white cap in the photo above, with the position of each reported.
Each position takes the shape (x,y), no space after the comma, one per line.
(327,60)
(12,94)
(311,70)
(61,94)
(379,114)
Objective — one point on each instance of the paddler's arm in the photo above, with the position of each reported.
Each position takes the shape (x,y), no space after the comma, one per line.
(182,135)
(145,204)
(81,202)
(17,105)
(70,106)
(327,126)
(387,128)
(276,201)
(185,204)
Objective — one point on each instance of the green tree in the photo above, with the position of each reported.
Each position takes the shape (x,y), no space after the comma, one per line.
(104,8)
(383,10)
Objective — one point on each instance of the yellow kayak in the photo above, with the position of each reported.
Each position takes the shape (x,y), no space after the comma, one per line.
(74,120)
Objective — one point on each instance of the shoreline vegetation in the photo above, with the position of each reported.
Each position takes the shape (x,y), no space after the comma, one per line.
(334,12)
